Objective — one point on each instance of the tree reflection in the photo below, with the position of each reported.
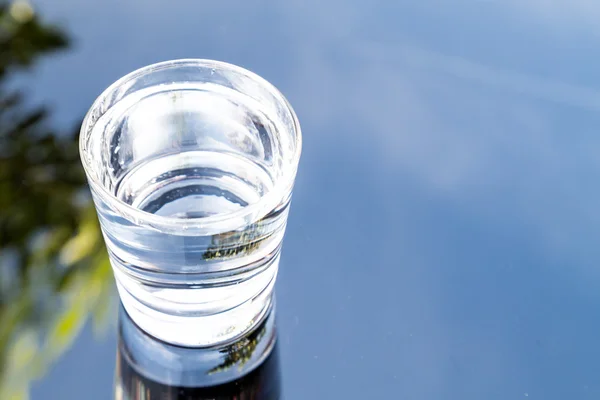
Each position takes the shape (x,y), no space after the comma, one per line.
(240,352)
(53,267)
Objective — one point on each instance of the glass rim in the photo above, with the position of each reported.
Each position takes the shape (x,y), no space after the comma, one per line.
(199,225)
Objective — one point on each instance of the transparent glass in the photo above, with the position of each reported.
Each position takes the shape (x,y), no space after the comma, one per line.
(191,165)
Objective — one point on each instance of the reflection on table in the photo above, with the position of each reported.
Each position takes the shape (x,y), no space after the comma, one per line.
(148,368)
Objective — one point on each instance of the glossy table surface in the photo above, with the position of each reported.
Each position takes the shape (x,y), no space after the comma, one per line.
(442,242)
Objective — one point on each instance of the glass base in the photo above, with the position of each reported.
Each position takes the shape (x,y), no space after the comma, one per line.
(172,366)
(199,331)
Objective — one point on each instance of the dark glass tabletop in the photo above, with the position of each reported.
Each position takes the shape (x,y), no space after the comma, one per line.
(442,238)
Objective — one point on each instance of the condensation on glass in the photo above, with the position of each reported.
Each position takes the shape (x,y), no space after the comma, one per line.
(191,165)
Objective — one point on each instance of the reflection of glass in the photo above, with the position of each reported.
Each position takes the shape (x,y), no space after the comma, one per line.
(148,368)
(191,165)
(54,271)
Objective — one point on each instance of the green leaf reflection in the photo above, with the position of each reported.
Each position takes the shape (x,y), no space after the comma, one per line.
(54,271)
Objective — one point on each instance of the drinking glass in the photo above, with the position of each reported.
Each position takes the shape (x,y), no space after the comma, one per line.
(191,165)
